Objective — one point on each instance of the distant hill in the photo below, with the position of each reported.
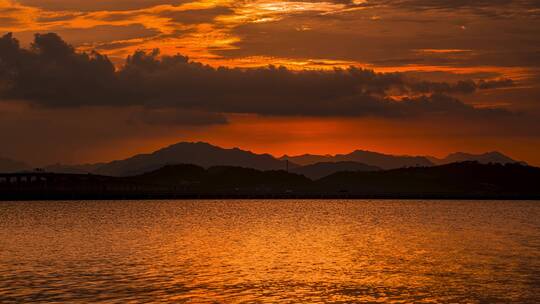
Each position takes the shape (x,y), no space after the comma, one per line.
(383,161)
(9,165)
(485,158)
(73,169)
(467,179)
(320,170)
(223,179)
(172,175)
(308,159)
(462,180)
(201,154)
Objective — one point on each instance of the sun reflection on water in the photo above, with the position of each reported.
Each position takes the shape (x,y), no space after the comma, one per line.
(270,252)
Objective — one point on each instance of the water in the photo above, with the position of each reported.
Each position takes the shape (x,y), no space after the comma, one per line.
(258,251)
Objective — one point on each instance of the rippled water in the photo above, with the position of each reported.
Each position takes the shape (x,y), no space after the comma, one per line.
(259,251)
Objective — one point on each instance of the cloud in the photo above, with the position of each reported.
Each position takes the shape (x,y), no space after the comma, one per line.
(197,16)
(8,21)
(176,117)
(441,4)
(98,34)
(397,35)
(53,74)
(392,30)
(459,87)
(97,5)
(491,8)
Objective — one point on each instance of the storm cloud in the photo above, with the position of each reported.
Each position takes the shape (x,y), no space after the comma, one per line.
(52,74)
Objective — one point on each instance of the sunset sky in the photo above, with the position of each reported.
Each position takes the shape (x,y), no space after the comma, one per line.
(420,77)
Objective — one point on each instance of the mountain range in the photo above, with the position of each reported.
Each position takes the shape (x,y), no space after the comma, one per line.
(197,153)
(207,155)
(486,158)
(388,162)
(382,161)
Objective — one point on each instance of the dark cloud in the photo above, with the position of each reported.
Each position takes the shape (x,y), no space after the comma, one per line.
(98,34)
(115,45)
(56,18)
(489,8)
(122,16)
(459,87)
(8,21)
(52,74)
(177,117)
(196,16)
(495,9)
(49,68)
(97,5)
(442,4)
(495,84)
(389,41)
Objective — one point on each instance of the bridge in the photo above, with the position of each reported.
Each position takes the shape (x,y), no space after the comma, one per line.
(38,185)
(39,177)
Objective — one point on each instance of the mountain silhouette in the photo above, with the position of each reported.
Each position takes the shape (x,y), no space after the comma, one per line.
(173,175)
(199,153)
(485,158)
(319,170)
(456,180)
(383,161)
(223,179)
(73,169)
(308,159)
(207,155)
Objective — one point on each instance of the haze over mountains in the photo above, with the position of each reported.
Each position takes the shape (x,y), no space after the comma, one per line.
(387,162)
(201,154)
(486,158)
(319,170)
(10,165)
(207,155)
(382,161)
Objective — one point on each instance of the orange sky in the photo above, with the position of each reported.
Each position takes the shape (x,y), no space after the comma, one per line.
(424,40)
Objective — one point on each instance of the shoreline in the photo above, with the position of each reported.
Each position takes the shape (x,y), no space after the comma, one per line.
(125,197)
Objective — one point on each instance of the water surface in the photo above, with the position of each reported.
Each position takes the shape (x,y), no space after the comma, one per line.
(305,251)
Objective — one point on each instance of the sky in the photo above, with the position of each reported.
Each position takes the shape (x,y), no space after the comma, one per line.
(89,81)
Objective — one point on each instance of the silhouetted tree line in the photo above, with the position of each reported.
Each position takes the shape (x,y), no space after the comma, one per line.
(457,180)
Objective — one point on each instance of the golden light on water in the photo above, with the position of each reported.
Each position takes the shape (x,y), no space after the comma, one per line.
(271,251)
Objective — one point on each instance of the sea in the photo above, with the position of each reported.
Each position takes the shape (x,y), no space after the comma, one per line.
(270,251)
